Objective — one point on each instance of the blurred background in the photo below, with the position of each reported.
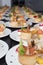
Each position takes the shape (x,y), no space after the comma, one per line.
(36,5)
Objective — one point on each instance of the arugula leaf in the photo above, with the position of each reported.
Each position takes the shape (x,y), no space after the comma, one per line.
(21,49)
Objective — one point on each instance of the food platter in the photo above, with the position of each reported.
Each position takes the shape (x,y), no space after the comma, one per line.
(12,56)
(8,25)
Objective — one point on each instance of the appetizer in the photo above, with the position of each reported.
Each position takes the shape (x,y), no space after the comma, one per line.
(31,33)
(31,14)
(17,21)
(38,18)
(3,10)
(27,55)
(25,33)
(2,28)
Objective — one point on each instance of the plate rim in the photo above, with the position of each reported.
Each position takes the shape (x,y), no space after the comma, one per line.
(8,52)
(11,37)
(7,46)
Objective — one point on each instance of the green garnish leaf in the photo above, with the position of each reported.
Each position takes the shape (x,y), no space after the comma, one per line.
(21,49)
(10,15)
(23,28)
(21,52)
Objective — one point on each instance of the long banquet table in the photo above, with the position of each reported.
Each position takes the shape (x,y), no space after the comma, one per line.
(10,42)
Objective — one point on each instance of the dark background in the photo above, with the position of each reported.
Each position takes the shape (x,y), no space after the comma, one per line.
(36,5)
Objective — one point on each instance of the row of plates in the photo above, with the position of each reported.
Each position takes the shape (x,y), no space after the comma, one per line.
(7,24)
(13,34)
(28,20)
(3,45)
(12,54)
